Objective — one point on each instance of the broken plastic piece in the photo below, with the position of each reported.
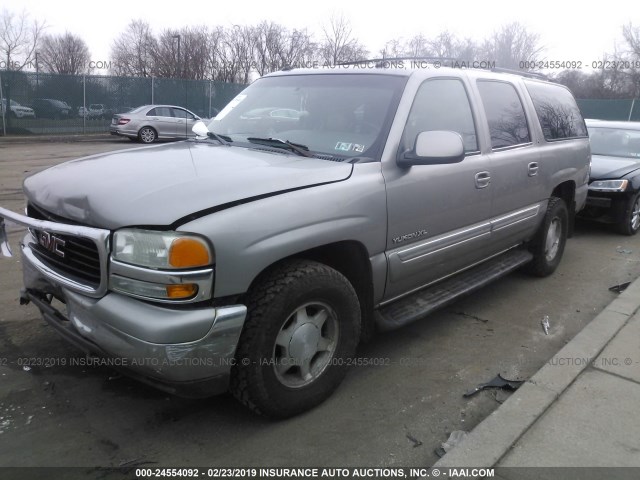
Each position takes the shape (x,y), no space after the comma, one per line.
(619,288)
(626,251)
(416,442)
(545,324)
(497,382)
(454,439)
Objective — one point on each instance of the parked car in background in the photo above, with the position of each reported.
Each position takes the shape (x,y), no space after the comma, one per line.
(16,110)
(83,112)
(151,122)
(51,108)
(614,183)
(98,110)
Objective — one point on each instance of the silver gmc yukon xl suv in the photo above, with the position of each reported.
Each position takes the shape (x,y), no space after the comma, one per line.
(317,207)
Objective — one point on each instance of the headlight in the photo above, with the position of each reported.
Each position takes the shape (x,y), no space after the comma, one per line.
(161,250)
(161,266)
(608,185)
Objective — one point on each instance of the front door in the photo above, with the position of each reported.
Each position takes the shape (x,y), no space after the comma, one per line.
(438,215)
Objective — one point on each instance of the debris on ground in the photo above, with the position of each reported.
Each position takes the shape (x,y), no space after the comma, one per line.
(497,382)
(26,368)
(545,324)
(501,396)
(416,442)
(626,251)
(454,440)
(474,317)
(619,288)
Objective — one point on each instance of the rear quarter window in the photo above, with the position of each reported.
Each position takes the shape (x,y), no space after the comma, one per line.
(557,111)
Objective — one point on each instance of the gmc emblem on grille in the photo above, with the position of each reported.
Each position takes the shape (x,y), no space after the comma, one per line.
(52,243)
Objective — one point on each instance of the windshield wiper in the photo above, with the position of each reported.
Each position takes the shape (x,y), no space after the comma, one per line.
(223,139)
(301,150)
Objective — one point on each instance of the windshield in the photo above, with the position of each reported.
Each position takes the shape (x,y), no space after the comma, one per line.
(340,115)
(615,142)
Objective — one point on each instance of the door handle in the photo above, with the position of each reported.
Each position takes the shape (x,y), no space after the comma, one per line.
(483,179)
(532,169)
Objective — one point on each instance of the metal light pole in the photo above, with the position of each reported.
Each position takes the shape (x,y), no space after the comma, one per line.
(37,75)
(178,69)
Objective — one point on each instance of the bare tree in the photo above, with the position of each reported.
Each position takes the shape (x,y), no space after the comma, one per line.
(511,45)
(132,52)
(394,48)
(239,51)
(338,44)
(631,35)
(65,54)
(193,53)
(182,53)
(418,46)
(269,41)
(298,49)
(19,36)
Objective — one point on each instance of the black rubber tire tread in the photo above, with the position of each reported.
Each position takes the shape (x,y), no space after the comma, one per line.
(540,266)
(255,385)
(624,227)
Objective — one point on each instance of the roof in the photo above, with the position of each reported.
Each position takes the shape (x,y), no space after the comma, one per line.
(621,124)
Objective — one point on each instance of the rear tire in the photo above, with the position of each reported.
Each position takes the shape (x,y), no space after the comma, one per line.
(147,135)
(631,218)
(302,328)
(548,244)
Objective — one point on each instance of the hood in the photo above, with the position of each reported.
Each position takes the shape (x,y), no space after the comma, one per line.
(161,184)
(605,167)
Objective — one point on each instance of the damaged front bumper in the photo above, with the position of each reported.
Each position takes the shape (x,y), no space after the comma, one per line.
(185,350)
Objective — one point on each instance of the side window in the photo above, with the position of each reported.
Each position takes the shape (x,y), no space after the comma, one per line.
(152,112)
(163,112)
(559,115)
(505,113)
(441,104)
(179,113)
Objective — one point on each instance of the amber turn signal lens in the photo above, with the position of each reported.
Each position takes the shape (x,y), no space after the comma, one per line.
(188,252)
(181,291)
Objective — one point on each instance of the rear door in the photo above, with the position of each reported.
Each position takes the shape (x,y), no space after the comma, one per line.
(161,118)
(517,176)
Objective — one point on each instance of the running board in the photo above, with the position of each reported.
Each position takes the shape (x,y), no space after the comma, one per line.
(421,303)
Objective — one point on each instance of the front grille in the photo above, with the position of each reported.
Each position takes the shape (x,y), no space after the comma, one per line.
(81,260)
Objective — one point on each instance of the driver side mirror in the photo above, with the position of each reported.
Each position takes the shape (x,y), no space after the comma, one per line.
(200,129)
(435,147)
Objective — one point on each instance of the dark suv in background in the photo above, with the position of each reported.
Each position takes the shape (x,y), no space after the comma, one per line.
(51,108)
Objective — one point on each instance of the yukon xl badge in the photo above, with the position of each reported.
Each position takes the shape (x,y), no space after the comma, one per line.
(409,236)
(52,243)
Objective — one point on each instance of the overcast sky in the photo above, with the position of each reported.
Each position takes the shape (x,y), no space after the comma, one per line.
(568,30)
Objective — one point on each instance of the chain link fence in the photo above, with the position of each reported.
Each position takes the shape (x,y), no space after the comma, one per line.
(611,109)
(41,103)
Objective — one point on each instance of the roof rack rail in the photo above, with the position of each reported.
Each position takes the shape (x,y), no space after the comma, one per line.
(380,62)
(522,73)
(444,61)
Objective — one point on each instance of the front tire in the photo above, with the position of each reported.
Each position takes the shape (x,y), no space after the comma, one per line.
(548,244)
(302,328)
(630,223)
(147,135)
